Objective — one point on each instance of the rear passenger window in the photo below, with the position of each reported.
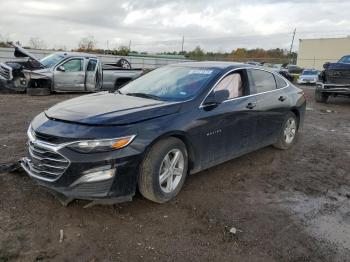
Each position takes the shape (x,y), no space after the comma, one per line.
(264,81)
(280,82)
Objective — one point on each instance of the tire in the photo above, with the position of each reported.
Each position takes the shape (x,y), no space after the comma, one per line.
(124,63)
(284,141)
(38,91)
(321,97)
(154,164)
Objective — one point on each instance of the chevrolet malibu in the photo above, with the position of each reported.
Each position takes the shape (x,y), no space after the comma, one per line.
(149,135)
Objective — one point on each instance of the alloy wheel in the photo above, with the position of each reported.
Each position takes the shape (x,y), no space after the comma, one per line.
(290,130)
(171,170)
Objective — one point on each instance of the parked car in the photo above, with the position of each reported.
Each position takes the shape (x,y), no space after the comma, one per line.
(334,80)
(294,69)
(308,76)
(255,63)
(64,72)
(283,72)
(154,131)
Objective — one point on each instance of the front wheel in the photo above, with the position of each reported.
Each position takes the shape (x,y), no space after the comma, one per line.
(288,132)
(163,170)
(321,97)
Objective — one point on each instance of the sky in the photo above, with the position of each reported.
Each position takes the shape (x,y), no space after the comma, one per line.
(159,25)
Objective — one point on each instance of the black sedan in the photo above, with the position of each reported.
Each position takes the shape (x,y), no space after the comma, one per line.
(153,132)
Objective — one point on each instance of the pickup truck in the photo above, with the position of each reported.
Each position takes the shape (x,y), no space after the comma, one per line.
(64,72)
(334,80)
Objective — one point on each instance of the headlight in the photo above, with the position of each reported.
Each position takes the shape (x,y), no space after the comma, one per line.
(31,133)
(102,145)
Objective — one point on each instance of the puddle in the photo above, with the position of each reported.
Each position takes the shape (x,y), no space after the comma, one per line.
(326,218)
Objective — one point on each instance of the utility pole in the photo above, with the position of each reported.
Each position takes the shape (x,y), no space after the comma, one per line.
(182,45)
(129,45)
(291,45)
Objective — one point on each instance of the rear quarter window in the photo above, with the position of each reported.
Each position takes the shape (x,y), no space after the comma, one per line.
(264,81)
(280,82)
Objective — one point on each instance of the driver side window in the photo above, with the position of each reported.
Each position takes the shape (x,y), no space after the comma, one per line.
(73,65)
(233,84)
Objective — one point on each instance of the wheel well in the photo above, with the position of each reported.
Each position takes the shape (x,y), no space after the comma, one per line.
(42,83)
(190,150)
(297,113)
(185,140)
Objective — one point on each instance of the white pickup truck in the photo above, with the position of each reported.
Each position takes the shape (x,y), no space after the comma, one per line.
(64,72)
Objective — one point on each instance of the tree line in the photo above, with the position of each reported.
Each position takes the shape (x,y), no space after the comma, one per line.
(89,44)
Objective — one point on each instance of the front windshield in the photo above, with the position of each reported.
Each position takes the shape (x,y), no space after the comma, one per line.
(345,59)
(51,60)
(171,83)
(309,72)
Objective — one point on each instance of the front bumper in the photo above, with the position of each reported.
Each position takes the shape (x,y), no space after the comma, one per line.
(306,81)
(333,88)
(82,176)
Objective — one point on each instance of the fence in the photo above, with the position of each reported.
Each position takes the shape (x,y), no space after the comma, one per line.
(6,54)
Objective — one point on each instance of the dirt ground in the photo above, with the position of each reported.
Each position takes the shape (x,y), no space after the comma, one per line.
(285,205)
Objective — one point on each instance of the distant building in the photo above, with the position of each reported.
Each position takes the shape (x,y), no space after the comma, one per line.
(313,53)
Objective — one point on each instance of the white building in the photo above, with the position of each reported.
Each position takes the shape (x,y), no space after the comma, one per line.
(313,53)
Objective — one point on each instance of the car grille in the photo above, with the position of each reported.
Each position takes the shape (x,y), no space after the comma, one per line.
(5,71)
(52,139)
(338,76)
(45,163)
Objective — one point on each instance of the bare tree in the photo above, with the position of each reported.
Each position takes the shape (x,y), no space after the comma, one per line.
(36,43)
(87,43)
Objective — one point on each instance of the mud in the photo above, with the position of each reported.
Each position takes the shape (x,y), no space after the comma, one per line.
(285,205)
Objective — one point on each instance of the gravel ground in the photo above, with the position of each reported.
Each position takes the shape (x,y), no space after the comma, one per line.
(285,205)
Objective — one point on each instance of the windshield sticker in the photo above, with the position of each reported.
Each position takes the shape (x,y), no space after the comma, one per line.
(200,72)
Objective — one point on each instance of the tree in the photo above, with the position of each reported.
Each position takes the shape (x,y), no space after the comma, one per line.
(197,53)
(87,43)
(123,50)
(36,43)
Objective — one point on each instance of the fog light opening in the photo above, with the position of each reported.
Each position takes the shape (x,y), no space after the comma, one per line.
(95,177)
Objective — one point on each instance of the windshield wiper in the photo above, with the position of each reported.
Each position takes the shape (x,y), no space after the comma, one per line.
(119,92)
(144,95)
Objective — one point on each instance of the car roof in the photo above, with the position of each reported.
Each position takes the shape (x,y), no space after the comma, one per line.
(73,54)
(214,64)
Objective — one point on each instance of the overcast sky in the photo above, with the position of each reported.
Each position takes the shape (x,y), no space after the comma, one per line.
(158,25)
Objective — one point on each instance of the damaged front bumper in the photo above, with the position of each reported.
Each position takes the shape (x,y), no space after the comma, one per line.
(70,175)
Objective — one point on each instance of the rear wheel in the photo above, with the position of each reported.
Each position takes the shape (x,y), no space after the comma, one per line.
(321,97)
(288,132)
(163,170)
(124,63)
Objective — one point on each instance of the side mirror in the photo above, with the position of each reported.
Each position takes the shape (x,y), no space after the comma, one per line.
(61,68)
(216,98)
(326,65)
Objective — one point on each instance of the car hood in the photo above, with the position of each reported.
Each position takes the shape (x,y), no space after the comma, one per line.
(110,109)
(21,52)
(337,66)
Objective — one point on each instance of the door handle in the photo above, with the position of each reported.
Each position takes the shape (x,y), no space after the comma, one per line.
(282,98)
(251,105)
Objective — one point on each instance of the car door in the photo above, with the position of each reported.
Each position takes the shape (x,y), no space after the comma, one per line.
(91,75)
(70,75)
(227,129)
(272,104)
